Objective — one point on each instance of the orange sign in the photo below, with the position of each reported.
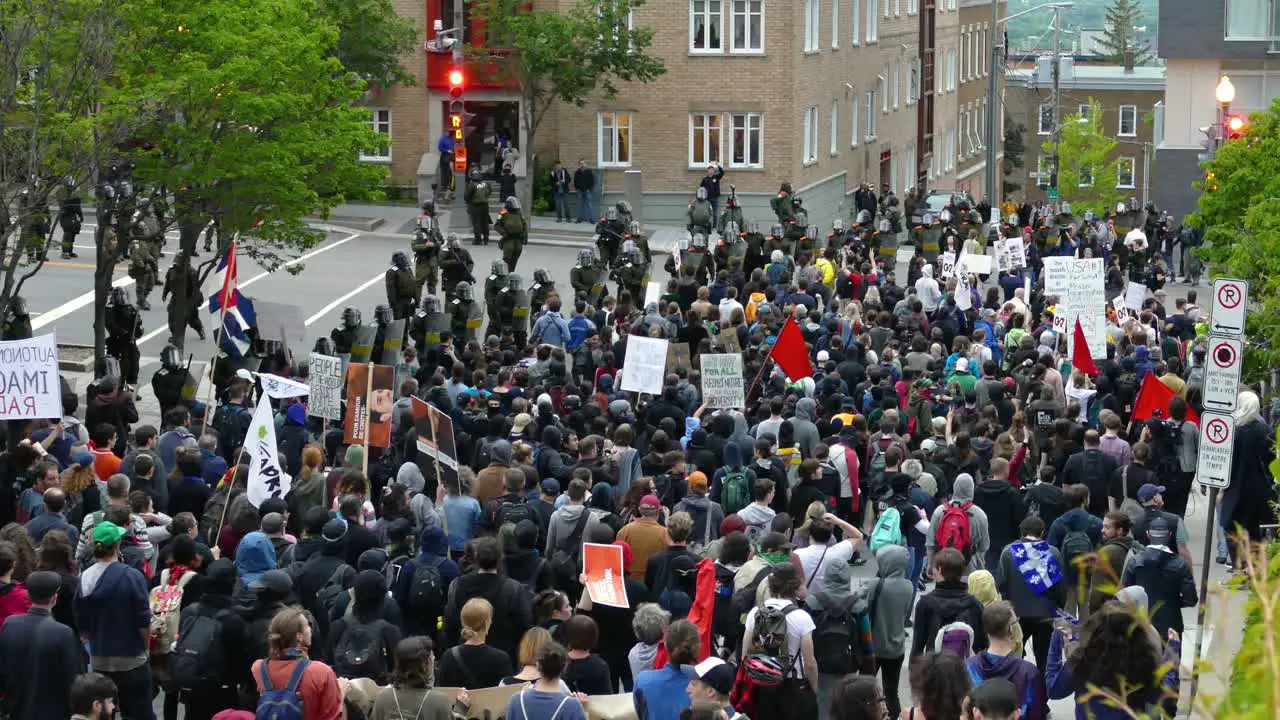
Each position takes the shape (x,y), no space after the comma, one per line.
(370,400)
(460,157)
(602,566)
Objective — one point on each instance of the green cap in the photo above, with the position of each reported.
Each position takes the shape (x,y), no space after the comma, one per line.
(107,533)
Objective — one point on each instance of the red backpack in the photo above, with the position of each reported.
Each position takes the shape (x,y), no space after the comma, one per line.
(953,529)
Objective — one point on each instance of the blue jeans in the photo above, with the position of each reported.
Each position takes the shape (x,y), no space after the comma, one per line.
(715,212)
(915,566)
(562,205)
(585,211)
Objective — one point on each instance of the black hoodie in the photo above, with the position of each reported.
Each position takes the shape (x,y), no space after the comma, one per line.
(551,462)
(1005,511)
(949,602)
(509,625)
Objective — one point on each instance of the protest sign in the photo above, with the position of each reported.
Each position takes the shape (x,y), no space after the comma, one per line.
(652,293)
(1002,256)
(722,381)
(948,262)
(602,566)
(1134,294)
(964,296)
(645,365)
(976,264)
(370,403)
(279,388)
(1055,276)
(281,322)
(29,385)
(324,373)
(1016,251)
(266,478)
(1081,295)
(436,441)
(678,357)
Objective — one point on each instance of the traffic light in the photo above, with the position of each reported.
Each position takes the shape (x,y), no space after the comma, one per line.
(1235,126)
(456,80)
(457,119)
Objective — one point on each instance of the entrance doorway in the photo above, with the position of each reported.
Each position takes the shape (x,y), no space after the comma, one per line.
(491,124)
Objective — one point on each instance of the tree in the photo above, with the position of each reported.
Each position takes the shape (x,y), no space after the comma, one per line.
(1087,164)
(1015,151)
(1119,35)
(566,57)
(372,39)
(1239,212)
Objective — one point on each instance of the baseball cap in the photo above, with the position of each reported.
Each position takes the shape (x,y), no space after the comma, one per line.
(1158,530)
(43,585)
(334,531)
(774,542)
(550,486)
(244,374)
(521,422)
(107,533)
(823,356)
(82,459)
(651,502)
(1149,491)
(716,674)
(272,523)
(929,445)
(697,481)
(275,581)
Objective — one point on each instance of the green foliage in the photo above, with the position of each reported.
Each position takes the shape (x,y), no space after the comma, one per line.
(1087,166)
(543,188)
(1015,151)
(1119,37)
(372,39)
(1239,212)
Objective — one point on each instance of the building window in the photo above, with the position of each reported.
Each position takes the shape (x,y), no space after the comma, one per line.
(704,26)
(1124,173)
(897,82)
(704,139)
(1250,19)
(963,65)
(853,118)
(835,24)
(983,53)
(973,47)
(812,9)
(810,149)
(748,26)
(884,7)
(1085,111)
(913,81)
(1046,120)
(913,7)
(1128,120)
(909,172)
(897,8)
(835,125)
(380,119)
(870,114)
(873,20)
(953,148)
(748,136)
(951,70)
(1042,171)
(855,21)
(613,146)
(1085,176)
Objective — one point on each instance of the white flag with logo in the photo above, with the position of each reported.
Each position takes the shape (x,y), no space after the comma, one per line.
(279,388)
(266,478)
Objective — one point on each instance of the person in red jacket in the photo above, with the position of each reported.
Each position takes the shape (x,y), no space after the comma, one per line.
(13,596)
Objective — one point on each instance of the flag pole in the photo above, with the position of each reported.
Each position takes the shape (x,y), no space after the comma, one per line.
(767,359)
(368,398)
(218,332)
(230,486)
(435,438)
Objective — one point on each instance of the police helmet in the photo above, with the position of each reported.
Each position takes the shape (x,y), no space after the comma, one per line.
(586,256)
(786,186)
(541,276)
(797,201)
(611,214)
(683,242)
(515,283)
(400,259)
(351,317)
(170,358)
(498,267)
(429,207)
(775,230)
(701,193)
(126,188)
(699,240)
(382,314)
(452,240)
(475,173)
(731,230)
(624,207)
(323,346)
(732,201)
(837,225)
(635,228)
(464,292)
(512,204)
(117,296)
(430,304)
(811,231)
(17,306)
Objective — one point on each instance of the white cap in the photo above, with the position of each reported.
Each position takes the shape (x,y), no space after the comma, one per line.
(823,356)
(244,374)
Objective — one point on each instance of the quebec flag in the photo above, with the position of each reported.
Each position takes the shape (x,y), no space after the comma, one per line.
(232,312)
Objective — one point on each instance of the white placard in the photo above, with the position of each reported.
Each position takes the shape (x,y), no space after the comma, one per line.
(947,261)
(1222,373)
(1230,306)
(1217,443)
(1134,295)
(266,478)
(645,365)
(324,372)
(1016,252)
(1055,276)
(964,297)
(976,264)
(279,388)
(652,293)
(29,385)
(722,381)
(1083,297)
(1002,255)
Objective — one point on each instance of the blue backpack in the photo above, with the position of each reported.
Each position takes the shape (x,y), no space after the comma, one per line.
(578,328)
(284,704)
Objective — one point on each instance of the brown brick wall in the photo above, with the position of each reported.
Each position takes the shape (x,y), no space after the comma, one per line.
(410,135)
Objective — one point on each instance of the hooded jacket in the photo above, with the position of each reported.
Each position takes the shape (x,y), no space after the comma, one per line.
(949,602)
(254,556)
(1168,583)
(433,548)
(293,438)
(979,531)
(806,432)
(1004,508)
(893,594)
(732,463)
(1026,602)
(707,516)
(367,604)
(551,462)
(1105,579)
(111,607)
(509,624)
(490,482)
(564,521)
(1026,679)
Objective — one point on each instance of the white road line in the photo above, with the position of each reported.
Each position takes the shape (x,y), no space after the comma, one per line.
(73,305)
(338,301)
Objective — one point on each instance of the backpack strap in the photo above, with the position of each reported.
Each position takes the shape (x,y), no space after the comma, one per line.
(264,675)
(296,678)
(559,707)
(817,567)
(456,652)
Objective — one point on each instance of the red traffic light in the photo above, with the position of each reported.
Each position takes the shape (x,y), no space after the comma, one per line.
(1236,126)
(455,83)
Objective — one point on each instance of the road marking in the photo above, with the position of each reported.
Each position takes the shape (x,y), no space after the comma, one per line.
(329,308)
(69,264)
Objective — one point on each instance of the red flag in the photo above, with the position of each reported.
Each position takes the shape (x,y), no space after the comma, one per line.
(790,352)
(1081,358)
(1153,401)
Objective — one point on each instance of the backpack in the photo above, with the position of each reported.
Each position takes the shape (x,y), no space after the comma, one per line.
(888,530)
(735,490)
(197,661)
(284,703)
(830,481)
(513,513)
(229,427)
(361,652)
(770,663)
(836,645)
(327,596)
(954,530)
(745,599)
(393,569)
(1075,544)
(426,590)
(956,637)
(668,490)
(1129,506)
(564,560)
(878,448)
(166,611)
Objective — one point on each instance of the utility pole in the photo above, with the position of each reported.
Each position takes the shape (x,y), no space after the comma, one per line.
(458,218)
(1057,102)
(993,107)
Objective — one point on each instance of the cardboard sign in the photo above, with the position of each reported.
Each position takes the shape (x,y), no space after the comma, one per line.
(324,374)
(644,366)
(976,264)
(436,441)
(29,386)
(369,420)
(722,385)
(602,566)
(1134,295)
(281,322)
(678,357)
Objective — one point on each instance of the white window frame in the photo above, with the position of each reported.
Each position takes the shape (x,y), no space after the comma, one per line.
(751,9)
(615,126)
(1042,116)
(712,146)
(872,24)
(964,134)
(1084,173)
(897,8)
(913,81)
(951,69)
(973,46)
(1132,111)
(896,79)
(1133,172)
(1044,169)
(380,120)
(1084,110)
(835,127)
(709,17)
(982,53)
(809,150)
(854,102)
(884,7)
(835,24)
(812,14)
(953,148)
(913,7)
(746,121)
(870,107)
(855,22)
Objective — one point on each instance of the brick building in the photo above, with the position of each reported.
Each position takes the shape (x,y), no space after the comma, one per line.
(824,93)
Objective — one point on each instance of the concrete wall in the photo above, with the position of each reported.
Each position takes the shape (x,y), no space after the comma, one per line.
(824,200)
(1196,29)
(1172,187)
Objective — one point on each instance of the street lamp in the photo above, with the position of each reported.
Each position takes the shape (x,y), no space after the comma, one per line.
(1225,94)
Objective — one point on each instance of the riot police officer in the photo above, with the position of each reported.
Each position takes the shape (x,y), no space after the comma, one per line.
(697,260)
(124,327)
(543,287)
(426,249)
(17,320)
(635,234)
(799,225)
(344,336)
(126,207)
(382,319)
(402,288)
(588,277)
(732,213)
(836,238)
(609,233)
(464,314)
(732,246)
(456,264)
(170,380)
(477,197)
(754,239)
(776,240)
(427,324)
(493,285)
(514,230)
(70,217)
(782,206)
(631,274)
(144,269)
(514,302)
(33,223)
(183,283)
(699,216)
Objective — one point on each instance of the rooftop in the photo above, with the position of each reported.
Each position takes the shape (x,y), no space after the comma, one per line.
(1094,77)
